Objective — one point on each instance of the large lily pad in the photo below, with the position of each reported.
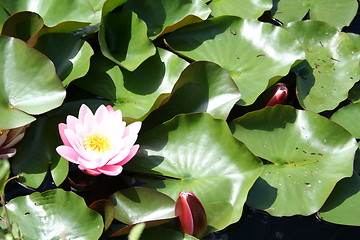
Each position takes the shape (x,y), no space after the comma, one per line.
(54,12)
(307,155)
(70,54)
(135,93)
(338,13)
(248,9)
(123,39)
(243,47)
(51,215)
(331,67)
(348,118)
(199,154)
(168,13)
(202,87)
(28,84)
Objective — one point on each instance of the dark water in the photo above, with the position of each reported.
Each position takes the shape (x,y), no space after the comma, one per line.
(255,225)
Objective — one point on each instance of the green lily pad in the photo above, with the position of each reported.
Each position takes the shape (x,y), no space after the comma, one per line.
(70,55)
(28,84)
(202,87)
(51,215)
(25,26)
(3,16)
(348,118)
(243,47)
(167,12)
(307,155)
(338,13)
(342,206)
(247,9)
(123,39)
(54,12)
(331,67)
(135,93)
(195,152)
(136,205)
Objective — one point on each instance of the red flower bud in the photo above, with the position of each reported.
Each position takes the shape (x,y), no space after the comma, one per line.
(278,95)
(191,213)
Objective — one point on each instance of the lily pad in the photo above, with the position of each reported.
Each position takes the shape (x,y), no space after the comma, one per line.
(51,215)
(202,87)
(348,118)
(331,67)
(70,54)
(247,9)
(54,12)
(168,13)
(123,39)
(3,16)
(306,155)
(338,13)
(28,84)
(135,93)
(243,47)
(25,26)
(195,152)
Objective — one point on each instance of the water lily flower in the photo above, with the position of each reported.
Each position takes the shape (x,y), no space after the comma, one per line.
(99,143)
(278,95)
(8,139)
(191,213)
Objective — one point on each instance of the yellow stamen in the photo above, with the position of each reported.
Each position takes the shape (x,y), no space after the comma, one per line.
(97,143)
(2,131)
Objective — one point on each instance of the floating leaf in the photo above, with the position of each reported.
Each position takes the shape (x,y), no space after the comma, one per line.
(243,47)
(308,154)
(25,26)
(202,87)
(198,153)
(54,12)
(348,118)
(28,84)
(51,215)
(248,9)
(168,13)
(70,54)
(331,67)
(338,13)
(123,39)
(3,16)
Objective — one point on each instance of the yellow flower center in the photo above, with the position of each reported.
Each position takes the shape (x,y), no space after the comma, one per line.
(97,143)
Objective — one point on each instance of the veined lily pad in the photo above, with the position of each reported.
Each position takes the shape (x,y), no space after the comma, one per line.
(28,84)
(243,47)
(202,87)
(338,13)
(199,154)
(247,9)
(51,215)
(348,118)
(331,67)
(70,54)
(123,39)
(54,12)
(3,16)
(168,13)
(135,93)
(307,155)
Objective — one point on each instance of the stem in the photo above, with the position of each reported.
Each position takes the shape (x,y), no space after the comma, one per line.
(6,216)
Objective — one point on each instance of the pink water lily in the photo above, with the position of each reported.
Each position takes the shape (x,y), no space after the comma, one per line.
(99,143)
(8,140)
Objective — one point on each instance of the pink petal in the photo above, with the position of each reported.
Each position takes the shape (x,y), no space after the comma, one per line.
(71,122)
(101,114)
(89,163)
(110,108)
(132,129)
(84,110)
(7,153)
(68,153)
(111,170)
(92,172)
(133,152)
(62,127)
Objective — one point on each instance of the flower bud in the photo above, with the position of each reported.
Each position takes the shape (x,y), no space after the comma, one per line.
(191,213)
(278,95)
